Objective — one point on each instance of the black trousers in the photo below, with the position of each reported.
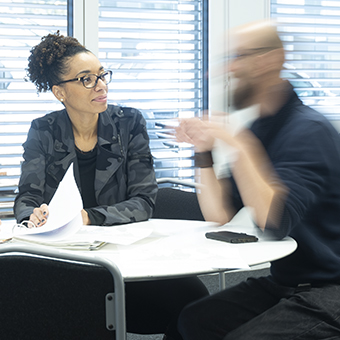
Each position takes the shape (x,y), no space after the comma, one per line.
(153,307)
(260,309)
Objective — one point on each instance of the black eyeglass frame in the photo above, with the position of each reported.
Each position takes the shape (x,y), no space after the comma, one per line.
(101,77)
(252,51)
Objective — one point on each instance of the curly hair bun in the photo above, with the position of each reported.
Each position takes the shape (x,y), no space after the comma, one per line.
(48,60)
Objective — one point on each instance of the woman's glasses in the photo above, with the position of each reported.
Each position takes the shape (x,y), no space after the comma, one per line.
(91,80)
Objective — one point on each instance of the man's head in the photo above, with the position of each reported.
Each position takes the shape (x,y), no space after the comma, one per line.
(256,63)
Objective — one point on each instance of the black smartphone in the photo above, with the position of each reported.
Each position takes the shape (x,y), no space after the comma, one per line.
(231,237)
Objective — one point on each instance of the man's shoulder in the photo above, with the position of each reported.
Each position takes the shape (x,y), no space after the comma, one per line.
(309,119)
(297,111)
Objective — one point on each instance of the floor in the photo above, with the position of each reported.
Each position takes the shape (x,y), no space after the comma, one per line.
(212,283)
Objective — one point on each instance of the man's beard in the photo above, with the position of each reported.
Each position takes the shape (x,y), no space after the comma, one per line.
(242,96)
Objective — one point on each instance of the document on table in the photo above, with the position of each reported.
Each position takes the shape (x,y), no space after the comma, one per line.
(64,227)
(64,218)
(123,235)
(94,237)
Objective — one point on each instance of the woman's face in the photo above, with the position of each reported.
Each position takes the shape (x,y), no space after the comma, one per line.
(76,97)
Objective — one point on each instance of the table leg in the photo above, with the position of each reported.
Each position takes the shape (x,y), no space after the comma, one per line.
(222,280)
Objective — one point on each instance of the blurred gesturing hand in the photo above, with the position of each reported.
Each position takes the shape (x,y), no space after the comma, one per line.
(196,132)
(202,133)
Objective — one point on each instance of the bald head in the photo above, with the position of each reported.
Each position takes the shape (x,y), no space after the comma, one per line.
(259,57)
(259,39)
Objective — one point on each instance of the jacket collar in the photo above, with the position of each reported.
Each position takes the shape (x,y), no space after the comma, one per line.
(108,126)
(266,128)
(108,129)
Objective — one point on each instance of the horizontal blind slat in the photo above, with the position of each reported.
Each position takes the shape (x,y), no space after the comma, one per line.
(310,34)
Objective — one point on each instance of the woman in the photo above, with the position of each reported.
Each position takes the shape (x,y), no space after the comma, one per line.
(109,147)
(107,144)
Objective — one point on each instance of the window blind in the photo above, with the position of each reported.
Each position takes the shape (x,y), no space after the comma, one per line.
(310,33)
(22,24)
(154,49)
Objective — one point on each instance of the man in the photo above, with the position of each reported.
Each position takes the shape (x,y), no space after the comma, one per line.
(287,170)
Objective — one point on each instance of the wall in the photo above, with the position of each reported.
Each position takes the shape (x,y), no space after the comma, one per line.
(224,15)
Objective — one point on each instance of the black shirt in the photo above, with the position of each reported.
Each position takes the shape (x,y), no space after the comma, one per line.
(87,170)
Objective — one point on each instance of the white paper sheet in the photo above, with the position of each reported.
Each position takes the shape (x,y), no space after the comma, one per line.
(64,217)
(121,235)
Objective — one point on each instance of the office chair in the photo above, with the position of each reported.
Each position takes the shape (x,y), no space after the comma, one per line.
(51,294)
(174,203)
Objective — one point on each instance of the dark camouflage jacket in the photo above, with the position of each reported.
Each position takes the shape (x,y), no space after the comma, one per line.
(125,184)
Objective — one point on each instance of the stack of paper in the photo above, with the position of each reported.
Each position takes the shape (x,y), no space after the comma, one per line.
(64,219)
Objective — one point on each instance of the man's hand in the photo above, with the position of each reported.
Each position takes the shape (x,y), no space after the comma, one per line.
(196,132)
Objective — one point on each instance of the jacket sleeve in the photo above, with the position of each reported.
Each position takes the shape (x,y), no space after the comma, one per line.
(32,179)
(141,185)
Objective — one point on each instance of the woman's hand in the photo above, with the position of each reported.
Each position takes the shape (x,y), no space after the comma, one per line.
(85,216)
(39,216)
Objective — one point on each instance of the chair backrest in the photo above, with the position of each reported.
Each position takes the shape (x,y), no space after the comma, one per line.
(45,297)
(172,203)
